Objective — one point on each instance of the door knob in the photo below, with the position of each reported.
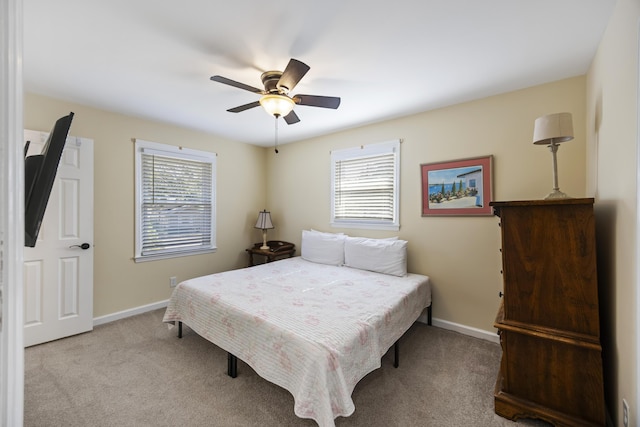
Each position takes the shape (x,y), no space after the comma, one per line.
(83,246)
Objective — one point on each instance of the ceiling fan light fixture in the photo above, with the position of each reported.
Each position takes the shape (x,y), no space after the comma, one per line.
(275,96)
(277,105)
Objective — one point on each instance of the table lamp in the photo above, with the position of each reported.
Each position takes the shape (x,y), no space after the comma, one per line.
(551,130)
(264,223)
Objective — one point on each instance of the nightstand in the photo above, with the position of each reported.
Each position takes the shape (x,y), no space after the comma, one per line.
(277,250)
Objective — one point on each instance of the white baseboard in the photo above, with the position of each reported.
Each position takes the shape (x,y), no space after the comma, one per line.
(444,324)
(128,313)
(466,330)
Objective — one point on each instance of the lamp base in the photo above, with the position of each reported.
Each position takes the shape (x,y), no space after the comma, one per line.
(556,194)
(264,241)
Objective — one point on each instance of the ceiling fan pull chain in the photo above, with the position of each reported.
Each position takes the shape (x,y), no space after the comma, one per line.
(276,147)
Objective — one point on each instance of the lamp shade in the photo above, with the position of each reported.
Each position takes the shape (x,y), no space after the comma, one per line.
(264,220)
(553,129)
(277,105)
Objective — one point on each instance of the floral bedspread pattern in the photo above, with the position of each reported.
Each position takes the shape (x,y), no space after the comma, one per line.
(313,329)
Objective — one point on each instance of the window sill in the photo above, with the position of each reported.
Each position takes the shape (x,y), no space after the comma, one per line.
(157,257)
(365,225)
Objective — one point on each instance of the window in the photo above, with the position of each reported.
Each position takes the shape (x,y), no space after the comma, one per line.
(175,201)
(365,184)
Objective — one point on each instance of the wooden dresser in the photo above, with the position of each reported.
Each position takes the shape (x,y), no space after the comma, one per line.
(548,320)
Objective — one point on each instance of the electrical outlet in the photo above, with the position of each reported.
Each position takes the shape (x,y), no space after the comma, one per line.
(625,413)
(173,281)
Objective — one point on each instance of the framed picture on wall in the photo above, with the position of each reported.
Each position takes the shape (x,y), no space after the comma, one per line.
(457,187)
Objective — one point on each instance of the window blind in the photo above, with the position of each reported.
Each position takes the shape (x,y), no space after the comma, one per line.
(176,204)
(365,188)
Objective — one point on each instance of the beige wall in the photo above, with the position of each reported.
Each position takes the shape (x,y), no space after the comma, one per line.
(612,123)
(119,282)
(460,254)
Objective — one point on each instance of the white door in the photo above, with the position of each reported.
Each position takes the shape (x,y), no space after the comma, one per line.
(58,272)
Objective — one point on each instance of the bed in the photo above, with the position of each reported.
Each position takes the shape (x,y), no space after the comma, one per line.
(313,328)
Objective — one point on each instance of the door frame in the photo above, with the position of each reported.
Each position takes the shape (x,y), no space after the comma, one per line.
(11,215)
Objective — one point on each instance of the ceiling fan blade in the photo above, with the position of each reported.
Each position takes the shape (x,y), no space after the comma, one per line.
(317,101)
(291,118)
(244,107)
(292,74)
(234,83)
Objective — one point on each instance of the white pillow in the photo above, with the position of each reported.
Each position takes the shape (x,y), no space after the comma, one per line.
(323,248)
(379,255)
(325,233)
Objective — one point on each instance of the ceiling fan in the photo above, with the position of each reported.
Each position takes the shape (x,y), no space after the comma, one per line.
(275,95)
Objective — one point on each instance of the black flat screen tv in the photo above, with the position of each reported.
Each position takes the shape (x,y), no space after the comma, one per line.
(39,175)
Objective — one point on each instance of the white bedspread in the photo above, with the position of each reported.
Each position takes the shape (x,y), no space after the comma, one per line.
(314,329)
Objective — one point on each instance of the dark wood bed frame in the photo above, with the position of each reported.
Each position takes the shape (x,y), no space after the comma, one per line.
(232,361)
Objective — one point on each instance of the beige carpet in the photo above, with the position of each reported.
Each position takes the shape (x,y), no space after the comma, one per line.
(136,372)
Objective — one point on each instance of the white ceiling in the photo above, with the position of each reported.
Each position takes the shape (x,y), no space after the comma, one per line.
(153,59)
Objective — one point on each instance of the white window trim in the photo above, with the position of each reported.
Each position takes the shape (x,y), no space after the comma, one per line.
(365,151)
(142,146)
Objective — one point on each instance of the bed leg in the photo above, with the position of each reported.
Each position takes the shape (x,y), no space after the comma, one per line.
(179,329)
(429,314)
(232,365)
(396,354)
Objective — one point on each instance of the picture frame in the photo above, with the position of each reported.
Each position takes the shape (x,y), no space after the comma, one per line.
(457,187)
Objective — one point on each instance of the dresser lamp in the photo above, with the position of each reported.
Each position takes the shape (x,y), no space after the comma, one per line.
(551,130)
(264,223)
